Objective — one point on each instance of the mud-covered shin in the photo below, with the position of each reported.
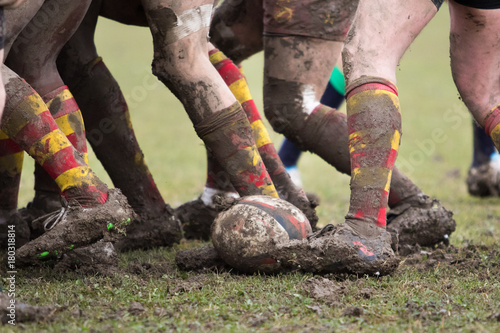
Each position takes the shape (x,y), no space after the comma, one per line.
(228,136)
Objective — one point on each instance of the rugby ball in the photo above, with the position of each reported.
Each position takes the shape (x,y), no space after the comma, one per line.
(245,234)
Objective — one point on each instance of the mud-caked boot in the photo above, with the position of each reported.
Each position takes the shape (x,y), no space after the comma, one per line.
(196,218)
(74,226)
(14,230)
(100,258)
(484,180)
(351,247)
(421,220)
(151,232)
(44,203)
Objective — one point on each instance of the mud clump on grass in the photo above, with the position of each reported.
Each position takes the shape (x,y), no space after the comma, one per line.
(200,259)
(24,312)
(482,260)
(180,286)
(155,270)
(322,289)
(353,311)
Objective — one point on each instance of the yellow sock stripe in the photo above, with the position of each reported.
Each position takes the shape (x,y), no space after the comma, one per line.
(12,164)
(260,133)
(495,135)
(3,135)
(270,190)
(69,124)
(61,97)
(217,57)
(48,145)
(395,140)
(240,90)
(367,176)
(76,177)
(363,96)
(248,154)
(34,103)
(356,140)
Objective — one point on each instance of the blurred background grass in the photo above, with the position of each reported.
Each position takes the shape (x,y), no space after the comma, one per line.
(436,144)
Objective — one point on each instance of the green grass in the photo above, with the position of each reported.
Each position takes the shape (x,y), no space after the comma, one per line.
(433,298)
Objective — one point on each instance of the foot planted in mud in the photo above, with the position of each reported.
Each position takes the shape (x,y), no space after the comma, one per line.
(421,220)
(352,247)
(74,226)
(151,232)
(484,180)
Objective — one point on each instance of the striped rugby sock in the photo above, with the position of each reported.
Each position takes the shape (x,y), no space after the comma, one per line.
(31,126)
(374,127)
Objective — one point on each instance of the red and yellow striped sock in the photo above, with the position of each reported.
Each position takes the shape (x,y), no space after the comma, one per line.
(374,127)
(11,165)
(237,83)
(69,119)
(30,125)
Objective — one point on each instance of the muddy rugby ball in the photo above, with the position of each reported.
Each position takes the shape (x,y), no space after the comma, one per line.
(245,234)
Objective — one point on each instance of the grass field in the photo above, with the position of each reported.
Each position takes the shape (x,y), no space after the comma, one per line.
(440,291)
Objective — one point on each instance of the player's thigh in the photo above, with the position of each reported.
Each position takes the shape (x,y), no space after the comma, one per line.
(380,35)
(475,56)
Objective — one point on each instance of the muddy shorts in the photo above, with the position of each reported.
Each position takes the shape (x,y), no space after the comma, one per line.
(325,19)
(480,4)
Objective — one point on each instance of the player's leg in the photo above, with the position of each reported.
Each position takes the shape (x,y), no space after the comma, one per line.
(333,97)
(93,212)
(181,63)
(33,56)
(474,36)
(111,135)
(374,121)
(218,182)
(11,162)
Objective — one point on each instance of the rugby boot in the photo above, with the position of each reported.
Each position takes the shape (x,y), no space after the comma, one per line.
(421,220)
(74,226)
(351,247)
(484,180)
(196,218)
(43,204)
(152,231)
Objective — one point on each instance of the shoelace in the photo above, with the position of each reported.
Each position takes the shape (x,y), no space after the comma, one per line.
(55,218)
(50,220)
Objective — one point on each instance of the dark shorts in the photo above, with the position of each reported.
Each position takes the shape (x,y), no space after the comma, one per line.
(325,19)
(480,4)
(438,3)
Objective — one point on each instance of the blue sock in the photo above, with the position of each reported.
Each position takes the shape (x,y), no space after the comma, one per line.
(331,97)
(289,153)
(484,149)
